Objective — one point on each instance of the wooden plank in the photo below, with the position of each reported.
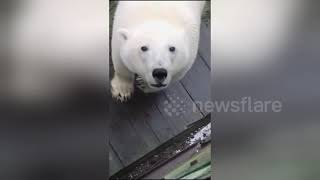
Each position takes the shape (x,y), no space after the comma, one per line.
(114,161)
(130,122)
(205,44)
(140,108)
(177,107)
(163,128)
(160,156)
(197,83)
(125,140)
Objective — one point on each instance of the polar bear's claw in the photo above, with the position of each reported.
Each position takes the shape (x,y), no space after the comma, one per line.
(121,97)
(121,90)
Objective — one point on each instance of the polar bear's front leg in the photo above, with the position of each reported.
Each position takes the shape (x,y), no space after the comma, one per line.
(122,87)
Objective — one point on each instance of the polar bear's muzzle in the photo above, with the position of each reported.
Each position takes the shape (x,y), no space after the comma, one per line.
(153,86)
(159,85)
(159,75)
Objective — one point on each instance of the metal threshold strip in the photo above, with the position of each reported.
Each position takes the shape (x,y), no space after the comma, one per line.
(166,153)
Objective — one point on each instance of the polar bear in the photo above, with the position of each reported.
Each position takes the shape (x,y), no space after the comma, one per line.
(155,40)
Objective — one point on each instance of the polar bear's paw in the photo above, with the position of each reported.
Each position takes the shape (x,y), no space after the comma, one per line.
(121,89)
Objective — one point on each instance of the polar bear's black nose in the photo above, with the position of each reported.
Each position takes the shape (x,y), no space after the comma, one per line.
(159,74)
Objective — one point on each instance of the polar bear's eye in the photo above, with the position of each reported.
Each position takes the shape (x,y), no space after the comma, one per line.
(172,49)
(144,48)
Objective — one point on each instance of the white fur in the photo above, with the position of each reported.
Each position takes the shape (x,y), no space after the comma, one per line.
(159,25)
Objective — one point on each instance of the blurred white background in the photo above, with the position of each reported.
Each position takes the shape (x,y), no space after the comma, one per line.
(53,87)
(267,50)
(54,46)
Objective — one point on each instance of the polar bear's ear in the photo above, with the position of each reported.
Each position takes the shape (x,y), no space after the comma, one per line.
(124,34)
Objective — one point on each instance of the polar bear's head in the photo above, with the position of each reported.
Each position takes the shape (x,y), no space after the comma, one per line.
(155,51)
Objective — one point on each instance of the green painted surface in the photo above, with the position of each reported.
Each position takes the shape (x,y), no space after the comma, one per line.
(197,167)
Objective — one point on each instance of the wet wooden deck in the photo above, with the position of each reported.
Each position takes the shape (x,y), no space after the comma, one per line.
(148,120)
